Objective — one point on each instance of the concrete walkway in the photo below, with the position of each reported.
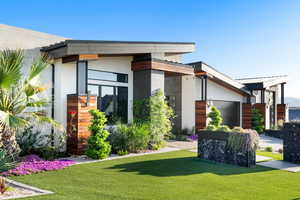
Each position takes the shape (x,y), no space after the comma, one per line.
(282,165)
(266,141)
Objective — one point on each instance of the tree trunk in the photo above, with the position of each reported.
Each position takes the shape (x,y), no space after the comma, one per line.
(8,142)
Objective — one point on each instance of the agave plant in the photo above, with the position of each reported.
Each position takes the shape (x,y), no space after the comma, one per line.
(7,162)
(20,101)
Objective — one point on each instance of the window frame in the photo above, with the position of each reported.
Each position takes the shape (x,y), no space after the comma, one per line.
(96,70)
(99,96)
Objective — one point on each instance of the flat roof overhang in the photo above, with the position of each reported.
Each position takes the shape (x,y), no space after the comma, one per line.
(170,68)
(100,47)
(202,69)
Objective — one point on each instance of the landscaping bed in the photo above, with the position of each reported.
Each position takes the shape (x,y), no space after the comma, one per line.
(174,175)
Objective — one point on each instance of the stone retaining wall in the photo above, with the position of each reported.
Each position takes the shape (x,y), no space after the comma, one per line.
(216,146)
(291,142)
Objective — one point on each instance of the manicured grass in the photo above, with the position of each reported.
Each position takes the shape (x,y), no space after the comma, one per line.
(275,156)
(168,176)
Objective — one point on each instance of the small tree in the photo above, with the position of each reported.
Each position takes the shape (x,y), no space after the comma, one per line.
(156,112)
(98,147)
(257,121)
(215,117)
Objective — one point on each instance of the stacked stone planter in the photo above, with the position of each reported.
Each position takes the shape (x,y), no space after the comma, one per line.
(215,146)
(291,142)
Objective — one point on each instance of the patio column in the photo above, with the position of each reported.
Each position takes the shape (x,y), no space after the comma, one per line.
(78,120)
(246,115)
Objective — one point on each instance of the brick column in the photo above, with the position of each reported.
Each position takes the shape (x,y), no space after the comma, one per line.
(246,115)
(78,120)
(281,112)
(262,109)
(200,115)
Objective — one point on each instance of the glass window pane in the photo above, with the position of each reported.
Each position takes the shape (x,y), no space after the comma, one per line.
(122,103)
(107,76)
(93,89)
(107,101)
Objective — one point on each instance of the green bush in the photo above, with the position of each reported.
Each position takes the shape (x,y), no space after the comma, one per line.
(7,162)
(156,112)
(35,142)
(215,117)
(224,128)
(98,147)
(130,138)
(269,149)
(257,121)
(238,129)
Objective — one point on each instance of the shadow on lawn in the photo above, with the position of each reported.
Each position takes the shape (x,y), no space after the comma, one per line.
(184,166)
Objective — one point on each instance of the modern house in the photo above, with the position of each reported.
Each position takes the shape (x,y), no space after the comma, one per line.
(111,75)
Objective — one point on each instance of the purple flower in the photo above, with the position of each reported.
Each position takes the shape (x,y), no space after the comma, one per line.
(34,164)
(193,137)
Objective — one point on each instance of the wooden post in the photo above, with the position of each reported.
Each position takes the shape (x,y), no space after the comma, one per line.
(78,120)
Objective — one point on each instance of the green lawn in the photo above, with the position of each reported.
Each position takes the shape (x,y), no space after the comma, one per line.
(167,176)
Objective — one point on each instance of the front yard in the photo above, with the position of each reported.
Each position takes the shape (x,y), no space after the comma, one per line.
(174,175)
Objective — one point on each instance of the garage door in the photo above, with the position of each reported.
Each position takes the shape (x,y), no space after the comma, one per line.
(230,111)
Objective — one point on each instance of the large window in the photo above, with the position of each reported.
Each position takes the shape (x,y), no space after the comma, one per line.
(107,76)
(112,100)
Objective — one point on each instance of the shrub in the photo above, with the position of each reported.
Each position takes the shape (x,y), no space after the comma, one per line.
(130,138)
(247,140)
(182,134)
(215,117)
(34,142)
(6,161)
(224,128)
(156,112)
(98,147)
(211,128)
(269,149)
(30,141)
(238,129)
(257,121)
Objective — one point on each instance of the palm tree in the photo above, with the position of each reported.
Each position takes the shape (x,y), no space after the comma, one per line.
(20,103)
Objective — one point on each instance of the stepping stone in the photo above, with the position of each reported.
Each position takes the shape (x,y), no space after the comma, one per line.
(262,158)
(282,165)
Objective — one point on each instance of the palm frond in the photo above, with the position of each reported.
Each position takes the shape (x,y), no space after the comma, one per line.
(37,67)
(10,67)
(38,103)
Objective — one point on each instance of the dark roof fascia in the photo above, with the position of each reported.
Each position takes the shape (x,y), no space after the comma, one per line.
(198,66)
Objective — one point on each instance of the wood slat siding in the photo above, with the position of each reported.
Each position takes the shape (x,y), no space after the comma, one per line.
(200,115)
(246,115)
(281,112)
(145,65)
(262,108)
(77,139)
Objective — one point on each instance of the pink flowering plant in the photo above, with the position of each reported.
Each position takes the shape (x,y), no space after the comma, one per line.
(34,164)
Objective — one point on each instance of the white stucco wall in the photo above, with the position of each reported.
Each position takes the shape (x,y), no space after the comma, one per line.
(191,91)
(65,83)
(119,65)
(188,101)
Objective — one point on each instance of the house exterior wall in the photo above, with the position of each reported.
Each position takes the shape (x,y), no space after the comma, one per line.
(191,92)
(65,83)
(188,101)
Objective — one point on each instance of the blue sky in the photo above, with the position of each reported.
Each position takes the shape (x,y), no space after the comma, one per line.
(241,38)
